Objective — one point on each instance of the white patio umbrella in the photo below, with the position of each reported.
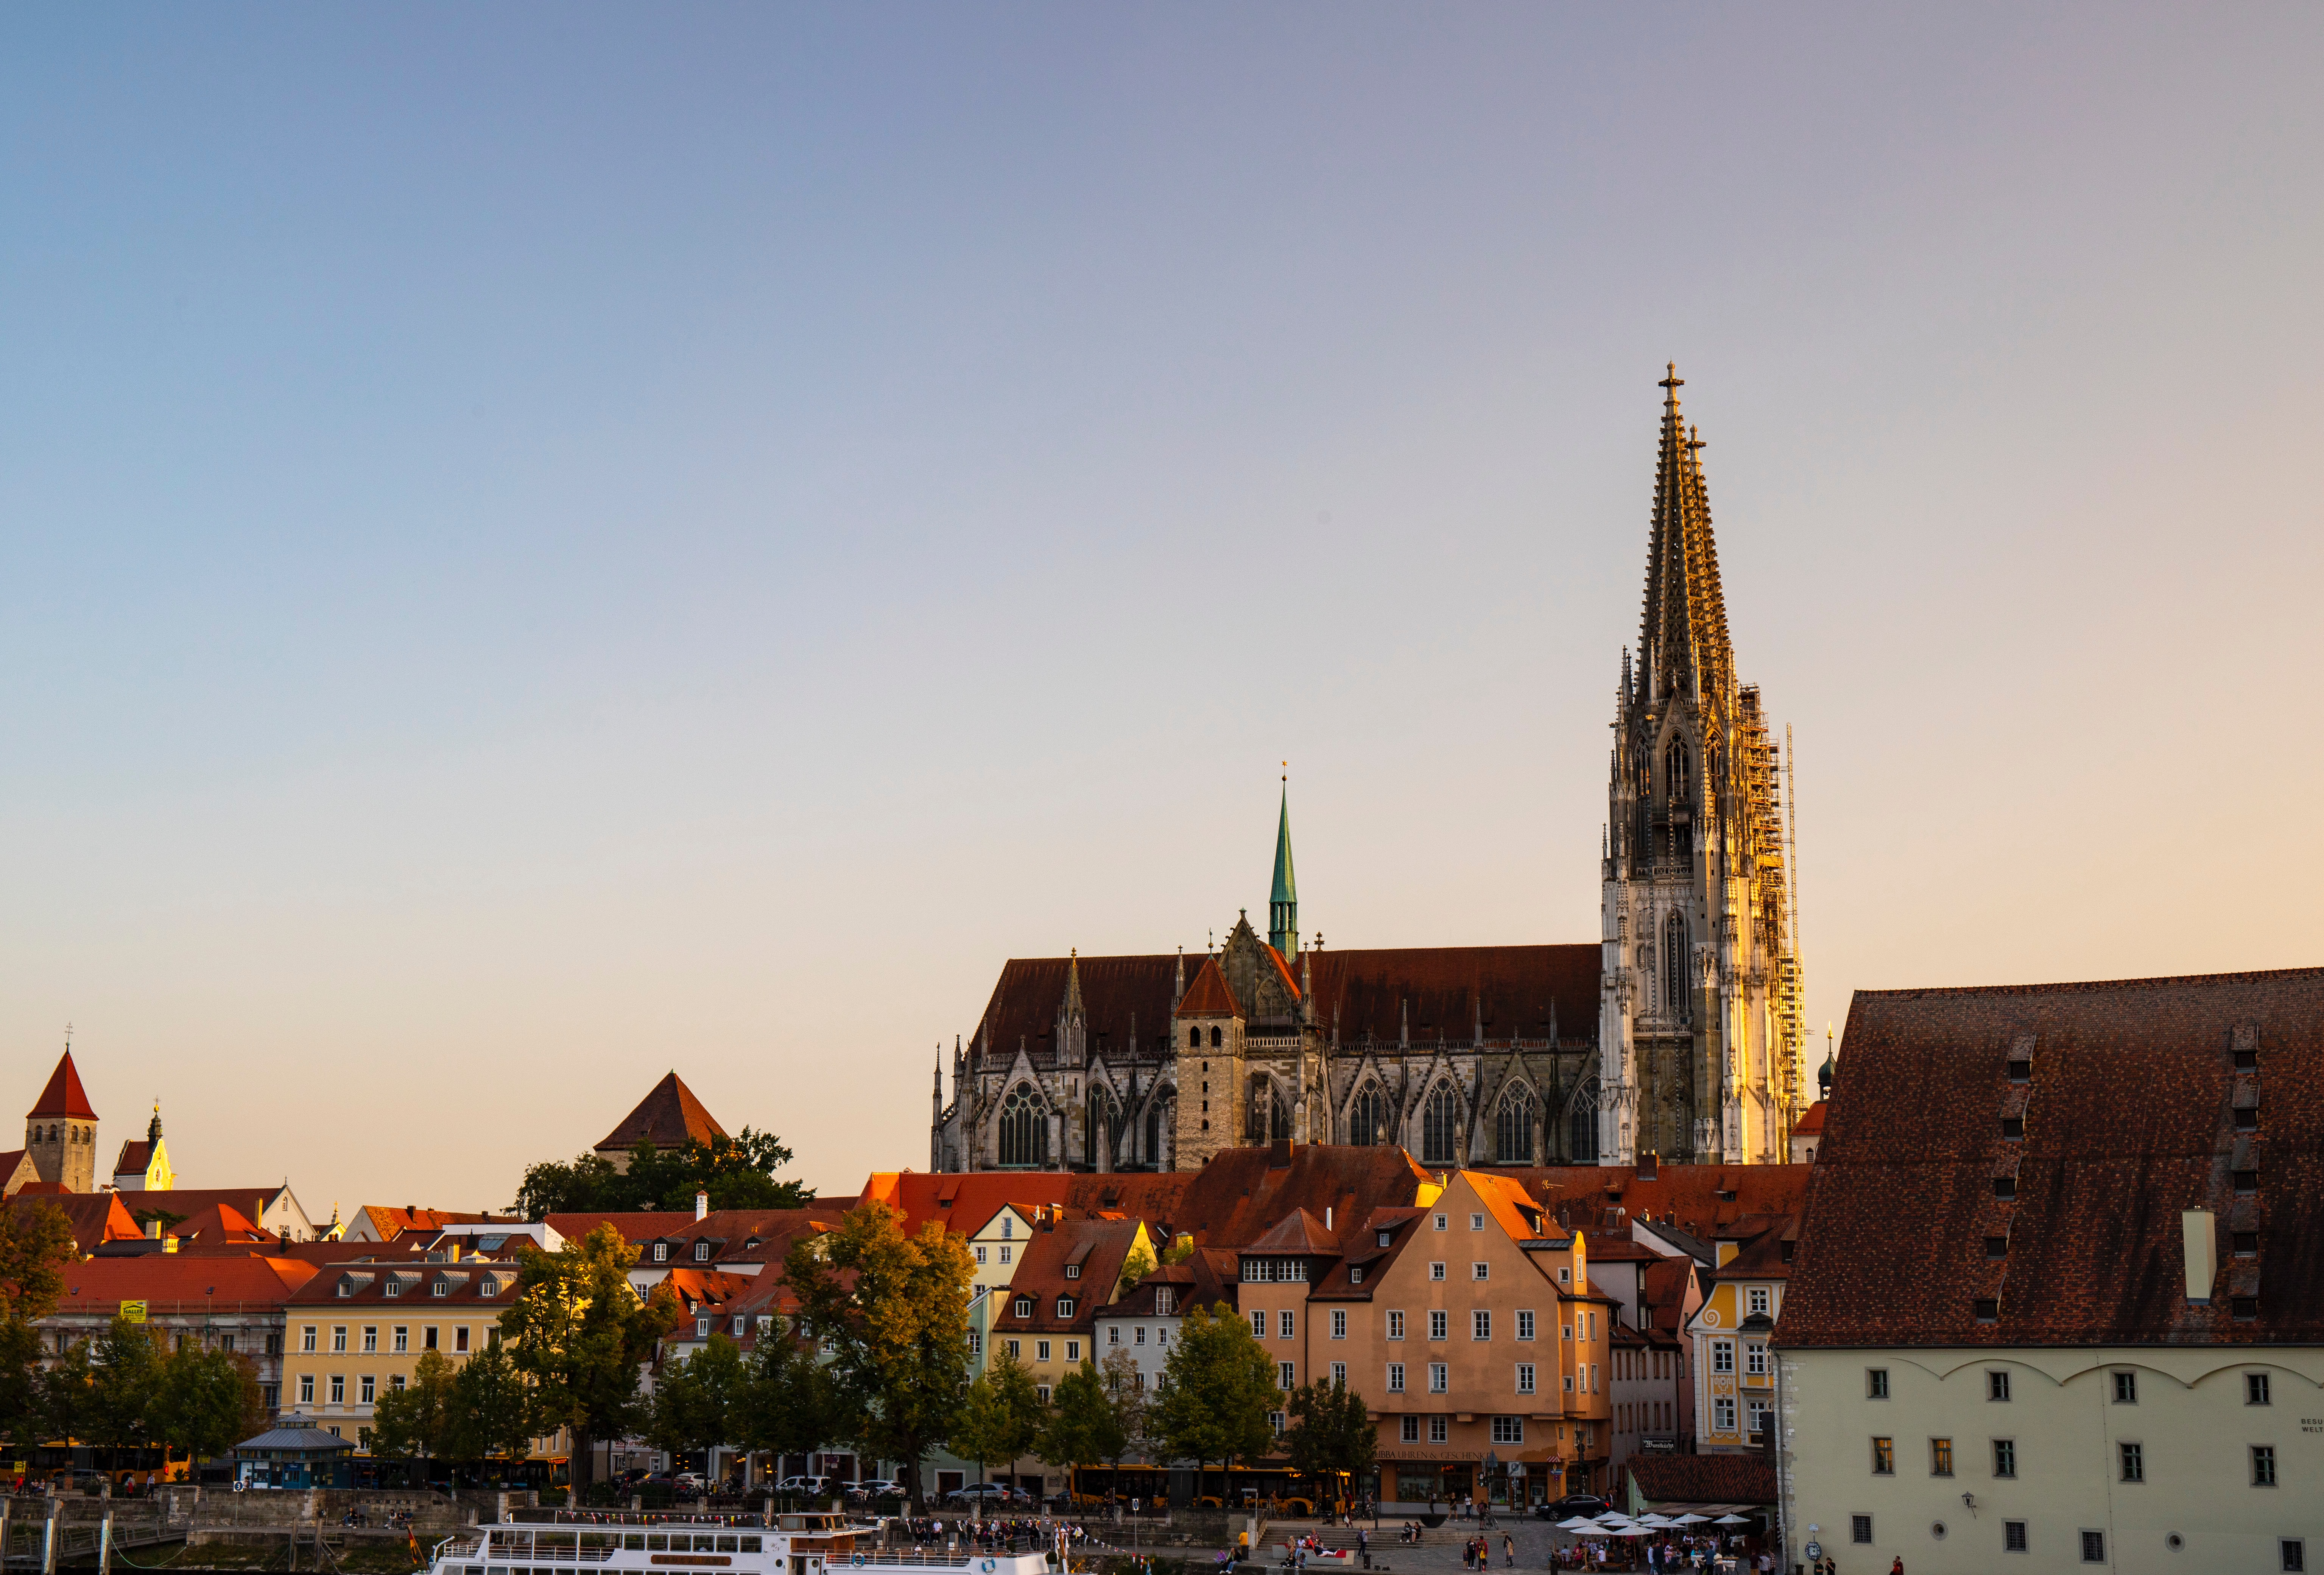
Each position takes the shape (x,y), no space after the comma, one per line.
(1651,1518)
(1579,1524)
(1691,1518)
(1628,1531)
(1730,1520)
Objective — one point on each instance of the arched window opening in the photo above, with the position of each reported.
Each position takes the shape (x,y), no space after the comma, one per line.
(1368,1122)
(1581,1125)
(1024,1129)
(1676,952)
(1193,1039)
(1218,1038)
(1267,1116)
(1439,1127)
(1153,1154)
(1105,1116)
(1513,1127)
(1676,779)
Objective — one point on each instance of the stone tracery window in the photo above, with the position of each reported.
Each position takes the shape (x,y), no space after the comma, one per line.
(1440,1121)
(1675,777)
(1368,1121)
(1581,1126)
(1513,1126)
(1676,952)
(1024,1129)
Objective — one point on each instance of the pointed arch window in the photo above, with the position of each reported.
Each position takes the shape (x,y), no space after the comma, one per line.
(1024,1129)
(1269,1118)
(1513,1126)
(1677,778)
(1675,952)
(1105,1116)
(1440,1121)
(1581,1125)
(1153,1154)
(1368,1121)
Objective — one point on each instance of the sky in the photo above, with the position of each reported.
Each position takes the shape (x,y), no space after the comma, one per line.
(543,545)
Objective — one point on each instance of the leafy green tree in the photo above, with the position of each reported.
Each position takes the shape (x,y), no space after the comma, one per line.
(1330,1431)
(581,1333)
(1180,1249)
(125,1375)
(67,1395)
(413,1421)
(20,1384)
(36,1244)
(1217,1386)
(1135,1266)
(1128,1400)
(204,1402)
(695,1400)
(1001,1416)
(491,1410)
(891,1313)
(738,1172)
(789,1404)
(1082,1425)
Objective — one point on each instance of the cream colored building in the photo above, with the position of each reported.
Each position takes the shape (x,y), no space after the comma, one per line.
(1734,1370)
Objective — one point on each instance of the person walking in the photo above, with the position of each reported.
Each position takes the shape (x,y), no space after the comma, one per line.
(1509,1549)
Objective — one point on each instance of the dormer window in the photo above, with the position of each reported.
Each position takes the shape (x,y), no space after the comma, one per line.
(1073,1271)
(2021,1070)
(1064,1307)
(661,1252)
(1024,1307)
(2013,1127)
(394,1287)
(442,1287)
(701,1252)
(1355,1273)
(702,1328)
(1383,1239)
(1164,1302)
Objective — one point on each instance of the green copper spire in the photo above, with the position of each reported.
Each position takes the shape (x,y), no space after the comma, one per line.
(1282,905)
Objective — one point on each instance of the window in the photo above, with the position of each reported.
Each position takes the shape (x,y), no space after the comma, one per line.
(1340,1374)
(307,1337)
(1676,1003)
(1439,1122)
(976,1343)
(2005,1186)
(1005,1251)
(1024,1130)
(1283,1326)
(2132,1459)
(338,1337)
(1023,1307)
(369,1391)
(1258,1326)
(1480,1271)
(2293,1553)
(1410,1432)
(2126,1388)
(1860,1528)
(2244,1244)
(1436,1271)
(1064,1307)
(2004,1457)
(442,1287)
(2255,1389)
(1508,1430)
(1015,1349)
(1444,1221)
(2013,1127)
(661,1256)
(1876,1383)
(979,1255)
(403,1337)
(2244,1308)
(2013,1536)
(1437,1430)
(1722,1356)
(2263,1464)
(1339,1323)
(1440,1379)
(2094,1547)
(1758,1299)
(1513,1127)
(1525,1377)
(1396,1326)
(1439,1324)
(1113,1334)
(1996,1247)
(1287,1376)
(1073,1350)
(1165,1299)
(1042,1390)
(1755,1358)
(1368,1122)
(1480,1324)
(1396,1379)
(306,1388)
(1996,1385)
(371,1337)
(1987,1309)
(1355,1273)
(1884,1457)
(1073,1271)
(701,1252)
(1525,1324)
(338,1389)
(1722,1413)
(1040,1350)
(1940,1457)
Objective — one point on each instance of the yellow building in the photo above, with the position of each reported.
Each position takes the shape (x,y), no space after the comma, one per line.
(1734,1376)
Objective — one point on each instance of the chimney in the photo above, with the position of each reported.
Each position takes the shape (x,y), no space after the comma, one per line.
(1650,1166)
(169,1244)
(701,1205)
(2202,1254)
(1279,1154)
(1327,1217)
(154,1231)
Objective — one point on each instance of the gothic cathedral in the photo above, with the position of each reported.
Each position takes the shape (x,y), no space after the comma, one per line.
(1678,1035)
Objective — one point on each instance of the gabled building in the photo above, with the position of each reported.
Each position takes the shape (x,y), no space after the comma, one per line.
(2058,1299)
(143,1166)
(229,1303)
(670,1118)
(1731,1333)
(1047,1317)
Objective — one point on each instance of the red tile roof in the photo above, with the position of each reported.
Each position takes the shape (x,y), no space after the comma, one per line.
(92,1217)
(1704,1478)
(388,1221)
(2131,1106)
(134,1157)
(1298,1234)
(1698,1199)
(1096,1247)
(1811,1122)
(632,1229)
(1241,1194)
(670,1116)
(1208,995)
(170,1282)
(250,1202)
(64,1096)
(218,1224)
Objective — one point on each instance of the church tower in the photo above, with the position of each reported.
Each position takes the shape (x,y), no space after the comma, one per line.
(60,1131)
(1700,1015)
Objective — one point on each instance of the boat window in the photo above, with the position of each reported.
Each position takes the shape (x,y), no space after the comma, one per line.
(633,1541)
(726,1544)
(750,1546)
(659,1543)
(702,1543)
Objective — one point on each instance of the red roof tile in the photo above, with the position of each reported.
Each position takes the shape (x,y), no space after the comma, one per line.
(134,1157)
(632,1229)
(94,1217)
(1298,1234)
(1208,995)
(2131,1103)
(101,1285)
(1698,1199)
(670,1116)
(64,1096)
(1704,1478)
(1811,1122)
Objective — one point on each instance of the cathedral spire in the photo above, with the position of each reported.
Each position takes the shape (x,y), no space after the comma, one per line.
(1683,645)
(1283,903)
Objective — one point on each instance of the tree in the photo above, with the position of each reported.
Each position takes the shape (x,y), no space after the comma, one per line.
(1083,1425)
(789,1405)
(491,1410)
(891,1310)
(1001,1416)
(738,1172)
(1217,1386)
(65,1391)
(36,1245)
(1180,1249)
(694,1399)
(1135,1266)
(581,1333)
(1126,1396)
(412,1421)
(125,1374)
(1331,1431)
(204,1402)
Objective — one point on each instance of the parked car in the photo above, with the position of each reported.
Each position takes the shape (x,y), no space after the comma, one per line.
(872,1487)
(986,1496)
(811,1487)
(1586,1505)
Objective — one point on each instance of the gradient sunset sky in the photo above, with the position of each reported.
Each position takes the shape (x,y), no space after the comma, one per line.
(545,544)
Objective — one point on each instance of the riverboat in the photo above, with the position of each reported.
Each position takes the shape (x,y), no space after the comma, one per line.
(782,1543)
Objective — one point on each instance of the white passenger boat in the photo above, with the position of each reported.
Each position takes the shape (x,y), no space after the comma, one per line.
(745,1544)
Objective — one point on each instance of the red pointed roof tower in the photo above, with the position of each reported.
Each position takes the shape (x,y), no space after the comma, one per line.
(64,1097)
